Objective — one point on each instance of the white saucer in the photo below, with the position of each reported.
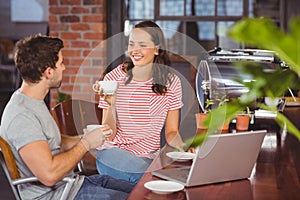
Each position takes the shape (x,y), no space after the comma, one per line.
(181,156)
(163,187)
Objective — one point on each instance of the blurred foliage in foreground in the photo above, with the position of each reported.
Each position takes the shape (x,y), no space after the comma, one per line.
(263,34)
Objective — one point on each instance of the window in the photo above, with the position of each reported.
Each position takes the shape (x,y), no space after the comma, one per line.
(203,21)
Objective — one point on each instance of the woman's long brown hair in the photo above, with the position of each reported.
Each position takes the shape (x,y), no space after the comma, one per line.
(161,73)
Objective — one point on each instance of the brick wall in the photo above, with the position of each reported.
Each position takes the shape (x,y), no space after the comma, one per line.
(81,24)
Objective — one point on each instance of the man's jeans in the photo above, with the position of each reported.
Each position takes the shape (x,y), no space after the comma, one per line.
(104,188)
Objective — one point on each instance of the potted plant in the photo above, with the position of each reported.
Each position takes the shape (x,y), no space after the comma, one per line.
(264,34)
(242,120)
(203,118)
(61,97)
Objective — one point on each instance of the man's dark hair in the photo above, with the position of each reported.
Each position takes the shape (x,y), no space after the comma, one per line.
(35,54)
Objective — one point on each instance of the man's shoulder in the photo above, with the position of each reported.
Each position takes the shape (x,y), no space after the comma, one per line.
(14,107)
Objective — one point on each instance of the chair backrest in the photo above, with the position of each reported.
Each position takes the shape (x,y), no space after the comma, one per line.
(9,159)
(10,170)
(72,116)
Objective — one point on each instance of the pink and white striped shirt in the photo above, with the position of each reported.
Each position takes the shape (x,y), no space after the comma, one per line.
(141,113)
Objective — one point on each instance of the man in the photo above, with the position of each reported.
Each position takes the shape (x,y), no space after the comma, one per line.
(39,148)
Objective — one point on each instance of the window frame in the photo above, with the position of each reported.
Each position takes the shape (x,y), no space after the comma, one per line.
(118,14)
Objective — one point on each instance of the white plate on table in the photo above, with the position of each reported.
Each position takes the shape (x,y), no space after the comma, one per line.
(163,187)
(181,156)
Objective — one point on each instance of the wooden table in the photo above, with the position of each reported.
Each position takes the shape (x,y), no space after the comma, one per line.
(276,175)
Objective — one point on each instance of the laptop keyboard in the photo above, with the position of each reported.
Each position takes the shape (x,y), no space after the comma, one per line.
(181,174)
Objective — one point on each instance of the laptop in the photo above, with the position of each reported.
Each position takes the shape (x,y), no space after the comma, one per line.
(222,157)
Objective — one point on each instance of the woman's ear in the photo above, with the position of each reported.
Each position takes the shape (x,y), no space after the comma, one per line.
(156,50)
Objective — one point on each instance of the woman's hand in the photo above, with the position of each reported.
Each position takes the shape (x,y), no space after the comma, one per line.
(180,147)
(109,98)
(191,150)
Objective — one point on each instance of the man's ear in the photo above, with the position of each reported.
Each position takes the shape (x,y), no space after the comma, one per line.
(48,73)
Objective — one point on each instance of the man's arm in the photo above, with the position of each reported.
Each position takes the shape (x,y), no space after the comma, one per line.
(50,169)
(47,168)
(67,142)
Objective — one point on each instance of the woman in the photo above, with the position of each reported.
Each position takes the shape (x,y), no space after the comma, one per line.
(149,95)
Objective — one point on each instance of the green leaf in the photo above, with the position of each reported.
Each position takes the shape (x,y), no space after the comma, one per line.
(62,97)
(263,33)
(195,141)
(283,121)
(249,29)
(214,121)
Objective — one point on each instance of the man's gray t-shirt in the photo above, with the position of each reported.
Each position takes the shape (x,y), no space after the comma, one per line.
(27,120)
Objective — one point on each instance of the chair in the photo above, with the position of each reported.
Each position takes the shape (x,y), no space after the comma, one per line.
(11,171)
(71,117)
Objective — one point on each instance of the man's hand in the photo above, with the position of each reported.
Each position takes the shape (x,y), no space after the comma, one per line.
(96,137)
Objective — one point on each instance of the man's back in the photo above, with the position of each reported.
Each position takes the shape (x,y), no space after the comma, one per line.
(26,120)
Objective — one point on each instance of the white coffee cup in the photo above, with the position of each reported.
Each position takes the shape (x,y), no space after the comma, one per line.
(91,127)
(272,102)
(108,87)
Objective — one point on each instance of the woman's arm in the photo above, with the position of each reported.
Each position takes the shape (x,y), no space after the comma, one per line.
(172,133)
(109,117)
(173,137)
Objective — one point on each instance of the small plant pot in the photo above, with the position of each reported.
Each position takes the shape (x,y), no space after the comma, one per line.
(200,118)
(242,122)
(225,127)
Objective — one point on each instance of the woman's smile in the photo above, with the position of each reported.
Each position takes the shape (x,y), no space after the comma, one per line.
(141,48)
